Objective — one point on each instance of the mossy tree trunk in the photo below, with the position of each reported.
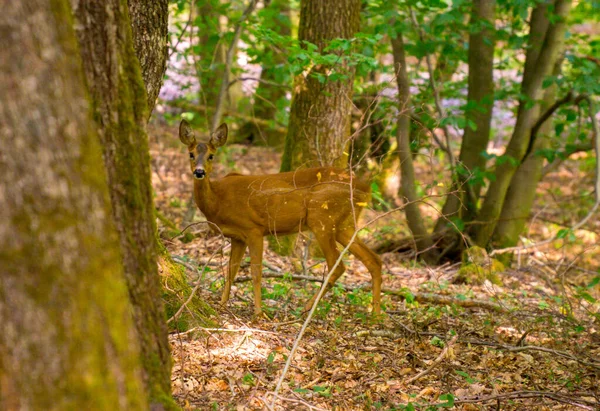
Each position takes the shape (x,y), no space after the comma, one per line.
(319,126)
(120,108)
(536,70)
(407,171)
(67,339)
(479,111)
(149,21)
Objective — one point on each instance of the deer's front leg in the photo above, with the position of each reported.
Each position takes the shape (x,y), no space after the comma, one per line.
(255,244)
(238,248)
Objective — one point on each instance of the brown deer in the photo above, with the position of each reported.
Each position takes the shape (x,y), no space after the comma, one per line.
(324,200)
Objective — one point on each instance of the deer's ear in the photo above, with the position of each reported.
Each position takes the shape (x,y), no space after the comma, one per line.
(186,134)
(219,137)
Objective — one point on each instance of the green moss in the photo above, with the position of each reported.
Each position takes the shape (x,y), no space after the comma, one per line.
(176,291)
(475,255)
(477,267)
(282,245)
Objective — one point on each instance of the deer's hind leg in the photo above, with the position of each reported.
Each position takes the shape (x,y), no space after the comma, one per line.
(326,239)
(369,259)
(238,247)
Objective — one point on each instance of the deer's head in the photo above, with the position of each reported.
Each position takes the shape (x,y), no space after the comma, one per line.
(202,154)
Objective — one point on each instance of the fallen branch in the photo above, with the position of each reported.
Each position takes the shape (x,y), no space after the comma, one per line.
(565,399)
(226,330)
(419,297)
(445,300)
(280,275)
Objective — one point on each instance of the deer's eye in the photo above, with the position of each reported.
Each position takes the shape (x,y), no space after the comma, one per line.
(210,157)
(191,156)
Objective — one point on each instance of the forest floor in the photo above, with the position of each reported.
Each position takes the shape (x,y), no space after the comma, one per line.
(530,344)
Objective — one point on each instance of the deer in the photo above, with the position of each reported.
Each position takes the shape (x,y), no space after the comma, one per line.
(245,208)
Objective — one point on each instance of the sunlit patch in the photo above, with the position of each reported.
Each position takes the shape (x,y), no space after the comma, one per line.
(218,360)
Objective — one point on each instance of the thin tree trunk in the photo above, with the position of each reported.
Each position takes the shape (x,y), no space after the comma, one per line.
(212,56)
(531,90)
(481,101)
(319,126)
(270,92)
(224,86)
(67,339)
(407,171)
(149,22)
(114,78)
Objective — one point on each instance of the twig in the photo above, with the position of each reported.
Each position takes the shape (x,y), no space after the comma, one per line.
(186,105)
(436,362)
(293,401)
(569,151)
(227,330)
(259,80)
(187,24)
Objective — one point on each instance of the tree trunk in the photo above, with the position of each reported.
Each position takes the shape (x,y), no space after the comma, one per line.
(407,171)
(67,339)
(149,22)
(522,191)
(531,90)
(480,103)
(319,126)
(114,78)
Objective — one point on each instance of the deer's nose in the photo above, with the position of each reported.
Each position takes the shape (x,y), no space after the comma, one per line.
(199,174)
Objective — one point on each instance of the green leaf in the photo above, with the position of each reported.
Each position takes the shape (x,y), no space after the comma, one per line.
(595,281)
(587,297)
(449,398)
(436,342)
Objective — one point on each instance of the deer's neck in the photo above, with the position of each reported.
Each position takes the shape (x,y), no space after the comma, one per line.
(205,197)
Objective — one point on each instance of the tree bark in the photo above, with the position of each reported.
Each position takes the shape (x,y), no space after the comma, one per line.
(407,171)
(319,126)
(531,89)
(149,22)
(116,87)
(481,101)
(67,339)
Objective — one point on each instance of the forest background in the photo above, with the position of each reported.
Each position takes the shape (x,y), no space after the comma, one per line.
(475,120)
